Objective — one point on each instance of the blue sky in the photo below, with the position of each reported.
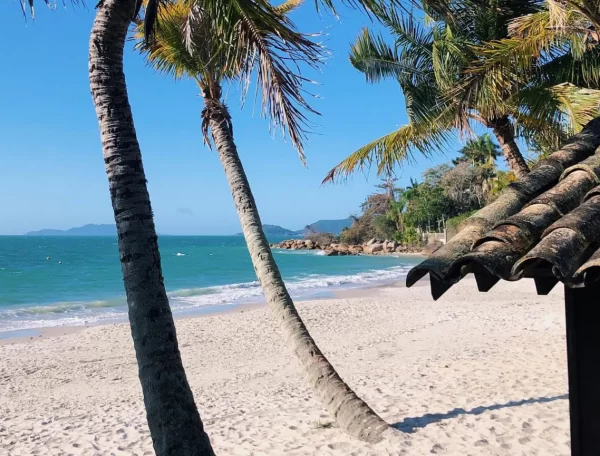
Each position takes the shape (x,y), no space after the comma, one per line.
(53,174)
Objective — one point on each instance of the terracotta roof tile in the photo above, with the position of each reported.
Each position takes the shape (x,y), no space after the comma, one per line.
(545,226)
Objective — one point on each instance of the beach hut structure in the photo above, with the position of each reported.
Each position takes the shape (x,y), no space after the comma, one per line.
(545,226)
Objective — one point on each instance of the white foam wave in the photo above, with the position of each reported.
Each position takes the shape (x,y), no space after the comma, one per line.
(94,312)
(180,254)
(63,314)
(298,252)
(250,291)
(42,321)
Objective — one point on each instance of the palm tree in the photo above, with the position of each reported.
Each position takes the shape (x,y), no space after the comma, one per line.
(261,41)
(557,43)
(481,151)
(433,62)
(174,421)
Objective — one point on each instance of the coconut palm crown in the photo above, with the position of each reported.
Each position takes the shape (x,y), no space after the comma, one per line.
(199,44)
(433,61)
(557,43)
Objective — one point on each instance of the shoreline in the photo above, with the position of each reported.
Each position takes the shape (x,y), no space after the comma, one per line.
(371,290)
(376,247)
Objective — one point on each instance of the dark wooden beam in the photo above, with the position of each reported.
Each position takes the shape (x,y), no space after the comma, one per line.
(583,353)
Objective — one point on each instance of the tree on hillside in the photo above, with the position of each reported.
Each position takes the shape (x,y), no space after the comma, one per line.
(381,218)
(432,61)
(262,42)
(389,185)
(467,186)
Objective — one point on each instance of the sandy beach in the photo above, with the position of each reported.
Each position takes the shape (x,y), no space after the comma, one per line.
(471,374)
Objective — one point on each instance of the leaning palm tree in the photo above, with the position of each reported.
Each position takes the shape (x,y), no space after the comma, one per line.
(432,62)
(257,40)
(173,419)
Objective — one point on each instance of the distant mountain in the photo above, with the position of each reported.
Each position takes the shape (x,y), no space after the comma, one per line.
(327,226)
(322,226)
(275,230)
(86,230)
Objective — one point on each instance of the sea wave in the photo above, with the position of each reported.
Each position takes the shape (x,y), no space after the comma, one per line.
(298,287)
(101,311)
(299,252)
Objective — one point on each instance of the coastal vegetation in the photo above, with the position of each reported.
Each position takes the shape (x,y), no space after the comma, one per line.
(447,194)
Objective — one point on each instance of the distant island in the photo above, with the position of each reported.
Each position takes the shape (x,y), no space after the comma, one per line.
(276,230)
(322,226)
(86,230)
(328,226)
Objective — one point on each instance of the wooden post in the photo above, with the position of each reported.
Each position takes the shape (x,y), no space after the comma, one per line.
(583,353)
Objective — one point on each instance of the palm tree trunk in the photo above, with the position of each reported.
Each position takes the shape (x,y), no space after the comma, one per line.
(505,134)
(351,413)
(173,418)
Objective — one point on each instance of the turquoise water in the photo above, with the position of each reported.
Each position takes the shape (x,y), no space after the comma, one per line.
(50,281)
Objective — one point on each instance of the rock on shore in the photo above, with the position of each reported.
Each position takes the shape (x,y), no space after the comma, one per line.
(372,247)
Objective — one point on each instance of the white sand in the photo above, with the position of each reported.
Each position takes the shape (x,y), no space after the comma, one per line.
(473,374)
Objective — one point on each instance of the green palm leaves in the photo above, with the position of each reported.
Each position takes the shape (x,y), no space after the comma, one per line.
(463,66)
(236,41)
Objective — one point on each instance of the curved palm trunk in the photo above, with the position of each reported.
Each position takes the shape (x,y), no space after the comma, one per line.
(351,413)
(173,418)
(505,134)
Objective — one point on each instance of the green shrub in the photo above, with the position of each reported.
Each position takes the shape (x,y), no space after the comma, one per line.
(410,236)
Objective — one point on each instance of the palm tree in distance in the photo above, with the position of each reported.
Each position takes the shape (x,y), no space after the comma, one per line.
(432,60)
(481,151)
(258,39)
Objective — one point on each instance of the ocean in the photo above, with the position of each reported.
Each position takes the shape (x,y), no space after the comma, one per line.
(54,281)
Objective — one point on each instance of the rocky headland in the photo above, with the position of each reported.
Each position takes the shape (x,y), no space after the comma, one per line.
(372,247)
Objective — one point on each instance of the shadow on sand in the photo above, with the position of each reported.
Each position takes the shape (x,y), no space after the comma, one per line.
(410,424)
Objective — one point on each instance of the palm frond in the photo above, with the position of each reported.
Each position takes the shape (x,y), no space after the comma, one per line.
(288,6)
(390,150)
(372,56)
(549,114)
(582,72)
(238,40)
(579,105)
(267,43)
(28,7)
(167,53)
(537,38)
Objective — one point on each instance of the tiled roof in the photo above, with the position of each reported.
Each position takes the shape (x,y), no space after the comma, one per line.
(545,226)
